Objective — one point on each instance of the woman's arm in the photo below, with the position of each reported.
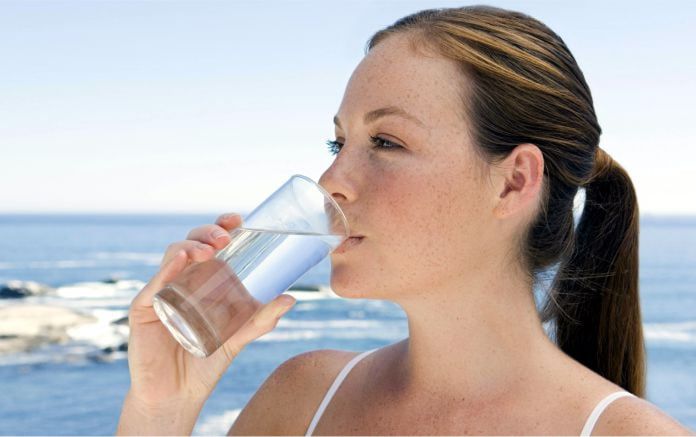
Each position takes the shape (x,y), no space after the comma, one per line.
(287,400)
(168,385)
(636,416)
(175,418)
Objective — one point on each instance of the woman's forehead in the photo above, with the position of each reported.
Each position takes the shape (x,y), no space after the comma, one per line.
(392,75)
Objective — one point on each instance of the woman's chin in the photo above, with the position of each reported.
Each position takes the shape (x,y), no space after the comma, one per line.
(345,286)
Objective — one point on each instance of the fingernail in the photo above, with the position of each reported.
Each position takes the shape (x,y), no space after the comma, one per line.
(230,216)
(219,233)
(286,300)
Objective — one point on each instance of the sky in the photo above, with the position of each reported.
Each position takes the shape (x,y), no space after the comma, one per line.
(208,106)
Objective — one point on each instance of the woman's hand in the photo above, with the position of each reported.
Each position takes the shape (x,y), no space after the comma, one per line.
(165,378)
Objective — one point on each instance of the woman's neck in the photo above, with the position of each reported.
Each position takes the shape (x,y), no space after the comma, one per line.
(477,340)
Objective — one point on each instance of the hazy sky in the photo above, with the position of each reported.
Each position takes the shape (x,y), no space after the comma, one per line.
(199,106)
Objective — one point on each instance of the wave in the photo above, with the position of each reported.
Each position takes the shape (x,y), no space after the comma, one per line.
(60,264)
(84,303)
(680,332)
(339,329)
(217,424)
(96,259)
(365,320)
(273,336)
(150,258)
(93,290)
(334,324)
(71,353)
(102,333)
(323,293)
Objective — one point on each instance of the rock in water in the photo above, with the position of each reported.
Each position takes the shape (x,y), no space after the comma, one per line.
(23,327)
(121,321)
(18,289)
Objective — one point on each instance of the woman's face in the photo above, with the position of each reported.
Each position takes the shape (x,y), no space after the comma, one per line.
(422,206)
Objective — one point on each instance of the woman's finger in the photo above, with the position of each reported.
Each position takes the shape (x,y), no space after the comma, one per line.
(168,272)
(214,235)
(229,221)
(195,250)
(262,322)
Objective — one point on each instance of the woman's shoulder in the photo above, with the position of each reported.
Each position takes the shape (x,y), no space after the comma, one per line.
(288,398)
(625,415)
(320,360)
(632,415)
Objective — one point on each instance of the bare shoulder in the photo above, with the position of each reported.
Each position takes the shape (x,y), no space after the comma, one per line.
(289,397)
(637,416)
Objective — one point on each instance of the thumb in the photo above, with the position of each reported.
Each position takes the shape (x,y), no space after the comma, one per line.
(262,322)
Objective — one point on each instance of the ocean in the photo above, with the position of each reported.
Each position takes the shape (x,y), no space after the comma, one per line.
(97,263)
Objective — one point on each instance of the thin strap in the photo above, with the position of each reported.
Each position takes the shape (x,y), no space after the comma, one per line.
(592,419)
(332,390)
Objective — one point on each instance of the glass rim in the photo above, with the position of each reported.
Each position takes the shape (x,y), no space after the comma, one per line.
(331,199)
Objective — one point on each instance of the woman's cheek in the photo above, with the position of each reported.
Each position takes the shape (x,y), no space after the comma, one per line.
(411,212)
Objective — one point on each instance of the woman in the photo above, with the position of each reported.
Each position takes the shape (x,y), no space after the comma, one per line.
(462,139)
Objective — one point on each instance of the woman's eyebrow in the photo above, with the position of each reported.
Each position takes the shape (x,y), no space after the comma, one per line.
(383,112)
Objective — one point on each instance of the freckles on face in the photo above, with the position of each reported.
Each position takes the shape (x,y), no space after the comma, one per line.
(421,207)
(423,221)
(434,216)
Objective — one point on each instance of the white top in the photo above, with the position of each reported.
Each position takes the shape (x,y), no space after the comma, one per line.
(586,430)
(594,415)
(337,382)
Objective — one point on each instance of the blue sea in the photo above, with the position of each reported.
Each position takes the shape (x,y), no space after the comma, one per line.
(97,263)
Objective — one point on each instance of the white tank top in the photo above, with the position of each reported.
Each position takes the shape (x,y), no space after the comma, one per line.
(586,430)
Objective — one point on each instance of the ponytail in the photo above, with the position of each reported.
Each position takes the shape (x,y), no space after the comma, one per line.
(595,301)
(524,86)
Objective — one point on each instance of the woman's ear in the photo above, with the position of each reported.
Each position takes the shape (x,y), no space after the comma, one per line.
(518,181)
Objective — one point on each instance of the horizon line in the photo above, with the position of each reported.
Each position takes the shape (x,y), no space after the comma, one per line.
(676,214)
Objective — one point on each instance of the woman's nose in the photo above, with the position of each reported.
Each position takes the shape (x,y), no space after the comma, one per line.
(338,185)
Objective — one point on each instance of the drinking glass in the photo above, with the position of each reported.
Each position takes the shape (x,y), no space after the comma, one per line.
(286,235)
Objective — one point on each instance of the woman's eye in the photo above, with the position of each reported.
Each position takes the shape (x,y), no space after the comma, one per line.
(380,143)
(334,146)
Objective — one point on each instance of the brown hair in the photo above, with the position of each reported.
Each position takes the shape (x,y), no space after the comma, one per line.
(526,87)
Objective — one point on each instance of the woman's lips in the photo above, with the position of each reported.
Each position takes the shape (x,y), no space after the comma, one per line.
(349,243)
